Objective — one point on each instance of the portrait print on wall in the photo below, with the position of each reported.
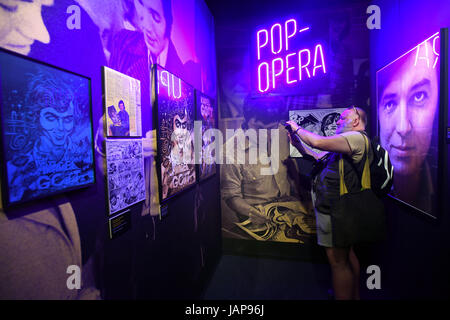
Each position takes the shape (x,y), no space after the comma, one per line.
(175,105)
(125,173)
(207,114)
(46,125)
(122,104)
(408,100)
(320,121)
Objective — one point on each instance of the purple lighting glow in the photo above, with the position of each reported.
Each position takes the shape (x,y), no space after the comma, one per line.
(280,66)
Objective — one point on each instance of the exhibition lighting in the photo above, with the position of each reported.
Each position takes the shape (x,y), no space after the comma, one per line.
(282,64)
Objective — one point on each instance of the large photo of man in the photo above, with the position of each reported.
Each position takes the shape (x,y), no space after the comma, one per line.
(408,110)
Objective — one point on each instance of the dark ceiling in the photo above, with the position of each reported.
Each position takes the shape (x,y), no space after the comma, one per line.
(223,10)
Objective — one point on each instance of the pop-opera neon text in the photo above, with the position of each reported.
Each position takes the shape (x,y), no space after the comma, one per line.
(291,67)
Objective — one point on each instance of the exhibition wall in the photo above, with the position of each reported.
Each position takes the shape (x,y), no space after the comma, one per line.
(132,245)
(304,62)
(416,256)
(126,79)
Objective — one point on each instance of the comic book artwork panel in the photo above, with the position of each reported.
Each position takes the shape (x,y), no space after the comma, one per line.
(175,105)
(319,121)
(46,129)
(122,104)
(207,114)
(125,173)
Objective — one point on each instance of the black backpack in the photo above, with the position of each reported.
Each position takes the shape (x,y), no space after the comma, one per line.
(381,169)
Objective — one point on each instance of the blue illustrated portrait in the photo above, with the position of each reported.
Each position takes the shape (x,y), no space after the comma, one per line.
(47,129)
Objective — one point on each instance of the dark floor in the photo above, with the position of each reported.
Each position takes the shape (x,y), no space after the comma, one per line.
(251,278)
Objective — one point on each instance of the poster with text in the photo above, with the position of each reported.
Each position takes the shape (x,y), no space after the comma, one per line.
(122,104)
(175,100)
(125,173)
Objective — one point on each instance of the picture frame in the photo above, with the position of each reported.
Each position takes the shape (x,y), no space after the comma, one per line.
(411,109)
(47,144)
(125,177)
(122,104)
(319,121)
(174,104)
(207,113)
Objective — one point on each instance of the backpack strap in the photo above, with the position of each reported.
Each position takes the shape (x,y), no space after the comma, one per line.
(365,179)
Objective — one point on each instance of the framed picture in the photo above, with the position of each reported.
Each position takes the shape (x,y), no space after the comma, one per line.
(122,101)
(411,127)
(206,112)
(320,121)
(175,101)
(125,173)
(46,128)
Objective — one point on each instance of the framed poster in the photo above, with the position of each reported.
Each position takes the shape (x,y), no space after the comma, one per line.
(175,133)
(125,173)
(206,112)
(319,121)
(46,128)
(410,113)
(122,101)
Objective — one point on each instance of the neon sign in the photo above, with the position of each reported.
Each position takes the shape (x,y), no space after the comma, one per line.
(284,60)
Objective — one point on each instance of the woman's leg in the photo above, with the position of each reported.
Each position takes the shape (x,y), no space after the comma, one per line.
(342,273)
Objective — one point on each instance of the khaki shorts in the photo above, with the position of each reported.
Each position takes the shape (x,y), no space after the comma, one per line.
(323,223)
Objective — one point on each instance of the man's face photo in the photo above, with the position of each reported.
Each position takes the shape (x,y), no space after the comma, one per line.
(152,22)
(21,24)
(121,106)
(407,108)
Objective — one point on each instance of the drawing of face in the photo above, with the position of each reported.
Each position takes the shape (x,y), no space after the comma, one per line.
(330,129)
(152,23)
(330,124)
(406,110)
(180,130)
(21,24)
(57,126)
